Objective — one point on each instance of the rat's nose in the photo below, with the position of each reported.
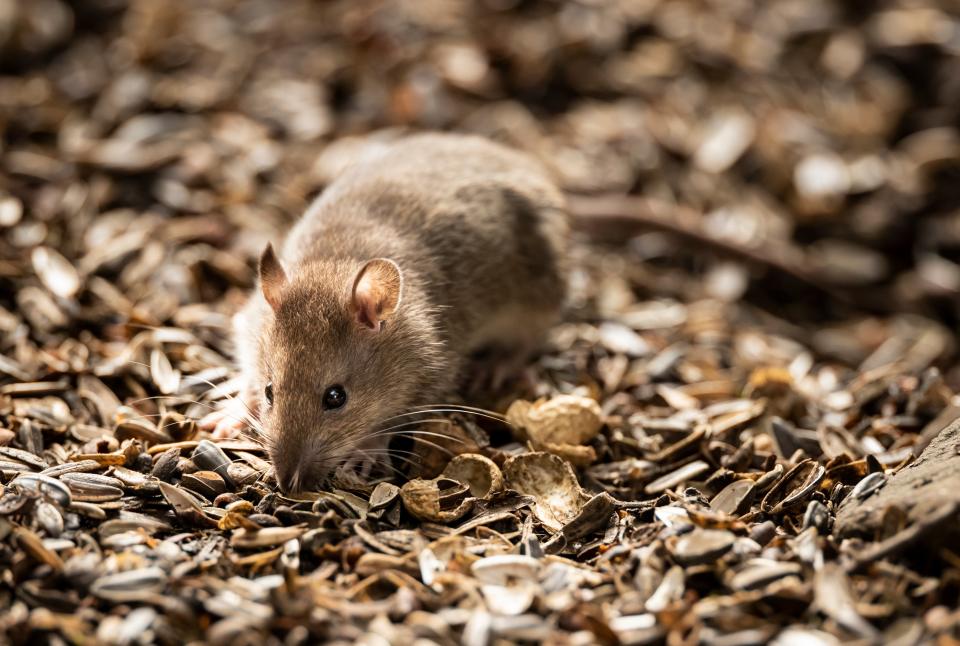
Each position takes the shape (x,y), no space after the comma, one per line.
(297,470)
(293,477)
(287,478)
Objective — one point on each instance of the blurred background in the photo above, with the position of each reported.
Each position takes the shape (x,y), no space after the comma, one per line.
(148,148)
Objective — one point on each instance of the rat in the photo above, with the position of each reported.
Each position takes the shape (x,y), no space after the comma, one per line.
(428,251)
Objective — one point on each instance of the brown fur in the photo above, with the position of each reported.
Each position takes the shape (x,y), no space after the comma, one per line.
(478,233)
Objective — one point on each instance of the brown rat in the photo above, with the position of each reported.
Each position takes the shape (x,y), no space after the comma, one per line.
(412,260)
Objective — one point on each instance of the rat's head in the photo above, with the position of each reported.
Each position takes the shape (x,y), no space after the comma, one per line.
(338,356)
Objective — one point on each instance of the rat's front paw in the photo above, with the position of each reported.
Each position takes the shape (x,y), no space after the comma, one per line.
(227,422)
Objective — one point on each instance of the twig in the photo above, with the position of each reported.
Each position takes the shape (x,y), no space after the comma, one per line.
(622,216)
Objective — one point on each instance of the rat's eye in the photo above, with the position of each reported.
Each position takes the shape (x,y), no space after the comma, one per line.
(268,393)
(334,397)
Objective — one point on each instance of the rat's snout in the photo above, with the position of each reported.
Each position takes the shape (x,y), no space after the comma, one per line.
(294,474)
(287,479)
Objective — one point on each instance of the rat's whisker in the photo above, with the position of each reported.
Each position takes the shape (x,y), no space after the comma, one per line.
(151,415)
(209,451)
(184,400)
(430,410)
(348,440)
(393,453)
(464,408)
(371,458)
(386,431)
(230,398)
(381,453)
(250,421)
(205,451)
(433,444)
(218,389)
(253,423)
(436,420)
(418,437)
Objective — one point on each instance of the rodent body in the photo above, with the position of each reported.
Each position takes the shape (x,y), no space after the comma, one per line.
(411,260)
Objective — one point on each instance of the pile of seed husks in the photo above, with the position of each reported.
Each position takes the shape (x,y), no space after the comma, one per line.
(678,479)
(702,451)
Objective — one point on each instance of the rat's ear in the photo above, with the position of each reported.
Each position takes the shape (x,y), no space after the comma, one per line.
(272,277)
(376,292)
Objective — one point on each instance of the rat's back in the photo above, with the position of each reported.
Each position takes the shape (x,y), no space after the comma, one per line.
(479,223)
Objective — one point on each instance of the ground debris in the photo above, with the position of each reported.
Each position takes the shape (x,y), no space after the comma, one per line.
(743,431)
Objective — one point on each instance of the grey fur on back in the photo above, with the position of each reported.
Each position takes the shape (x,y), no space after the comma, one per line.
(479,226)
